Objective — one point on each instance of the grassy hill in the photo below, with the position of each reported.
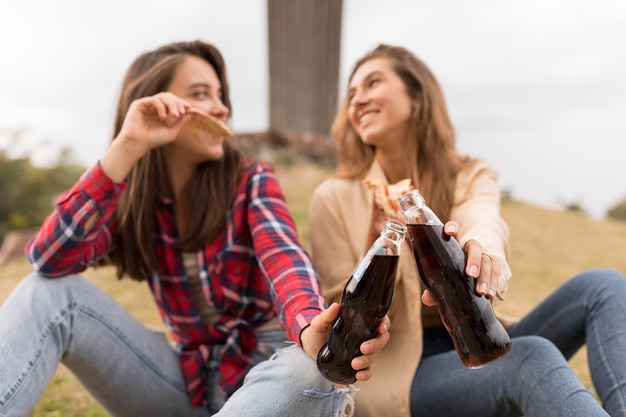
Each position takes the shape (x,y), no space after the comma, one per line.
(547,247)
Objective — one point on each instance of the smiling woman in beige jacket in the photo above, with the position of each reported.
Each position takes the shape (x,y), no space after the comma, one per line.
(394,125)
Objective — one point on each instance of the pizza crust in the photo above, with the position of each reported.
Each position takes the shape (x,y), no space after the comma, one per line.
(204,121)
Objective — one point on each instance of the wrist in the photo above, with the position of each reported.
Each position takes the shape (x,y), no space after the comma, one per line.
(304,343)
(120,159)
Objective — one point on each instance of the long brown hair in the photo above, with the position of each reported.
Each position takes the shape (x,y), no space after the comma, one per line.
(214,185)
(431,156)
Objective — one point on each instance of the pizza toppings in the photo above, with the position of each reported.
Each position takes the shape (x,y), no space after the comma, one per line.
(386,195)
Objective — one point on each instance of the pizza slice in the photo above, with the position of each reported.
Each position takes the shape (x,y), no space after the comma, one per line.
(204,121)
(386,195)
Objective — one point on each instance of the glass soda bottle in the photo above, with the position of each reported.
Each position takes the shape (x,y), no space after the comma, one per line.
(365,300)
(479,338)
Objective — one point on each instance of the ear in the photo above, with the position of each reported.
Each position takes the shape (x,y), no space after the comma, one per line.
(415,109)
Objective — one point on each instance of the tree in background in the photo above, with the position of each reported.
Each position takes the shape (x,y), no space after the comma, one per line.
(618,211)
(27,192)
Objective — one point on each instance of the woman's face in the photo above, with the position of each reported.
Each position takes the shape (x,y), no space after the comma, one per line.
(196,81)
(379,106)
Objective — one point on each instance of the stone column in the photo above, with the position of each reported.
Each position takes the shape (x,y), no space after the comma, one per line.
(304,49)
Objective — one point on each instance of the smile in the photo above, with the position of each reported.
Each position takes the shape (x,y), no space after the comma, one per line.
(366,117)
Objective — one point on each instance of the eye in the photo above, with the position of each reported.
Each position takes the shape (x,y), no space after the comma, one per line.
(200,93)
(373,82)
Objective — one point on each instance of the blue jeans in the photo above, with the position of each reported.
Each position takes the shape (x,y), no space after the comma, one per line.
(128,369)
(534,379)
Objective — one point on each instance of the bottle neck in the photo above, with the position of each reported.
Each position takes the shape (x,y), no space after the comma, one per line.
(394,230)
(416,211)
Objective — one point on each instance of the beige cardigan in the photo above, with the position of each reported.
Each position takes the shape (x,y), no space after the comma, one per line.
(339,216)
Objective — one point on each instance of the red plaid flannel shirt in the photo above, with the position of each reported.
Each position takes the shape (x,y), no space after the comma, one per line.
(254,270)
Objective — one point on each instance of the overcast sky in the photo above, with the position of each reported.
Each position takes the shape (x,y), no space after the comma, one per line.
(536,87)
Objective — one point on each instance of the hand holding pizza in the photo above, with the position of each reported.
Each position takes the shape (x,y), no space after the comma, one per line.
(386,195)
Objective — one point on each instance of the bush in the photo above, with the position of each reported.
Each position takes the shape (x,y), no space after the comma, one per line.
(618,212)
(28,192)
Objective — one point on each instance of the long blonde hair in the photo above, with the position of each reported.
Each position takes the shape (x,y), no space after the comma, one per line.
(214,185)
(432,156)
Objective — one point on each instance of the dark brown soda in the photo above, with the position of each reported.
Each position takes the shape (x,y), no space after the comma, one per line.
(364,303)
(479,338)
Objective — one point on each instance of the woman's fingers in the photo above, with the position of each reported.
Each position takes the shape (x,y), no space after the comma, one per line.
(480,264)
(371,350)
(428,298)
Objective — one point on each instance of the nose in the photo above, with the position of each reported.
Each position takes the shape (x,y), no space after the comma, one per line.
(219,110)
(359,98)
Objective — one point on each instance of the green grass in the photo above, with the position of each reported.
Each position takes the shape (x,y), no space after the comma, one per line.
(547,247)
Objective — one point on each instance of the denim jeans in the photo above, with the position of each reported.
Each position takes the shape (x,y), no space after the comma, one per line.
(534,379)
(268,343)
(128,369)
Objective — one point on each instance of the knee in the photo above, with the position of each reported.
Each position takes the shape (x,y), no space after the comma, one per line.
(613,277)
(30,286)
(35,282)
(602,275)
(535,352)
(297,384)
(294,368)
(35,289)
(308,386)
(302,370)
(604,282)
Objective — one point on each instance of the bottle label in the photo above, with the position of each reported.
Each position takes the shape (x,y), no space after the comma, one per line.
(365,262)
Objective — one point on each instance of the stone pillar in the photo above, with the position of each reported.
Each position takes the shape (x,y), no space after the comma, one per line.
(304,49)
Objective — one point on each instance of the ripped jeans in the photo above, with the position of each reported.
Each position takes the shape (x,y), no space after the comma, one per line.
(286,384)
(128,369)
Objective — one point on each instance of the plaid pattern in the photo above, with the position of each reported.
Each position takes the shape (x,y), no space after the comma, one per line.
(254,270)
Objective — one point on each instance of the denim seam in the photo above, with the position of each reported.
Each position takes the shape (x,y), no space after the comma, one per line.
(151,365)
(35,361)
(610,373)
(562,312)
(529,377)
(54,325)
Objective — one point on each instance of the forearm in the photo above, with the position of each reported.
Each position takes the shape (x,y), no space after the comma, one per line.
(120,158)
(78,231)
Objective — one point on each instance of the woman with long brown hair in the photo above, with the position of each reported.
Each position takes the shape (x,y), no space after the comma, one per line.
(208,229)
(392,125)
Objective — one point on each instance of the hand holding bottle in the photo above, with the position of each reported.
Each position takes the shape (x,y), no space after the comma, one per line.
(480,265)
(316,335)
(479,338)
(365,302)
